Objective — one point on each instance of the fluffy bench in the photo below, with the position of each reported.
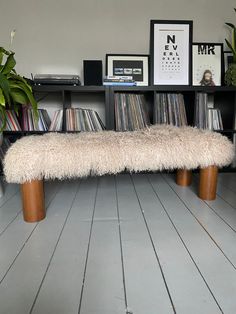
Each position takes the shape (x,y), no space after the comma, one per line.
(60,156)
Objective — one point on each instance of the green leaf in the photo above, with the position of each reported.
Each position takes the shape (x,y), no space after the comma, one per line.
(4,85)
(231,47)
(3,118)
(28,93)
(19,96)
(2,98)
(17,77)
(4,51)
(230,25)
(9,65)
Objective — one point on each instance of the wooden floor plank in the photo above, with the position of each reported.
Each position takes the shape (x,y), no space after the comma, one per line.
(21,284)
(182,276)
(227,194)
(9,191)
(215,268)
(145,287)
(224,237)
(61,289)
(103,288)
(11,208)
(14,238)
(222,208)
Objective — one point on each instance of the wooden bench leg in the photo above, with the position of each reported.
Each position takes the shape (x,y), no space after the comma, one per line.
(208,183)
(183,177)
(33,201)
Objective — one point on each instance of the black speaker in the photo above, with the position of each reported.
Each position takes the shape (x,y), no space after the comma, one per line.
(92,72)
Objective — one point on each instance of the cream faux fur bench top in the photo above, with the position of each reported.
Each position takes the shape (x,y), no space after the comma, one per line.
(61,156)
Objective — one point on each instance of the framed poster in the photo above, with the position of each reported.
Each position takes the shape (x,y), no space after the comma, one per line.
(208,63)
(135,67)
(171,55)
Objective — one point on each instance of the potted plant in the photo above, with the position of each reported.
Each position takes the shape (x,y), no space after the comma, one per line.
(230,75)
(14,89)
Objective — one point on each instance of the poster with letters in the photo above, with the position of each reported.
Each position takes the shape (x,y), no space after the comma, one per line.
(207,64)
(171,52)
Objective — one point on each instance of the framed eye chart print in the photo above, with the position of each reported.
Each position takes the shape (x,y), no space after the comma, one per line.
(208,64)
(171,52)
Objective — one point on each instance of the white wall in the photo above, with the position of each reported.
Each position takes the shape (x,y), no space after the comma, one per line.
(56,35)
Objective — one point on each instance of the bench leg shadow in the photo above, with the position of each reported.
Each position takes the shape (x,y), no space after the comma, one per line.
(32,194)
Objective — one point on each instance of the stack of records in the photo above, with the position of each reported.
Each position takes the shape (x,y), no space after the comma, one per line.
(130,112)
(12,123)
(119,81)
(214,120)
(169,109)
(206,117)
(57,120)
(78,119)
(30,123)
(201,111)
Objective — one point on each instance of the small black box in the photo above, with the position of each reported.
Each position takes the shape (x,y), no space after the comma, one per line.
(92,72)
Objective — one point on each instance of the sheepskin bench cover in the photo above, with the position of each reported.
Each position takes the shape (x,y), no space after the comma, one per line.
(60,156)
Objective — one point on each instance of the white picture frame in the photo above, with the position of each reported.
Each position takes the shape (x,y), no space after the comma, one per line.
(207,64)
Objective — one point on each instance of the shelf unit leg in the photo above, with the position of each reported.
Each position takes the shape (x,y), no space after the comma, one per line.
(32,194)
(183,177)
(208,183)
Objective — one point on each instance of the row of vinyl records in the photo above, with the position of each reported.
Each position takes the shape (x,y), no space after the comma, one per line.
(77,119)
(131,112)
(206,117)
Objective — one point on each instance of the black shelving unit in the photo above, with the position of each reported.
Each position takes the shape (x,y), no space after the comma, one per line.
(224,99)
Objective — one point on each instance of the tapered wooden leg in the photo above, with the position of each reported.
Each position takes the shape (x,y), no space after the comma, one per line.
(208,183)
(33,201)
(183,177)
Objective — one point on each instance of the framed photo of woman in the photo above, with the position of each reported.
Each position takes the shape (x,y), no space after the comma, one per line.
(208,64)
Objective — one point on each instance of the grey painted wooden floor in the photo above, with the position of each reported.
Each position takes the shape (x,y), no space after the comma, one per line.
(137,244)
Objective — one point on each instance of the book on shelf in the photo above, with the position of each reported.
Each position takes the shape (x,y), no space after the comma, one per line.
(119,81)
(131,112)
(83,120)
(57,120)
(169,108)
(12,122)
(30,123)
(4,147)
(206,117)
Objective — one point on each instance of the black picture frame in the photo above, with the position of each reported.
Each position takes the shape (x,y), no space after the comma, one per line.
(207,49)
(156,45)
(228,59)
(141,77)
